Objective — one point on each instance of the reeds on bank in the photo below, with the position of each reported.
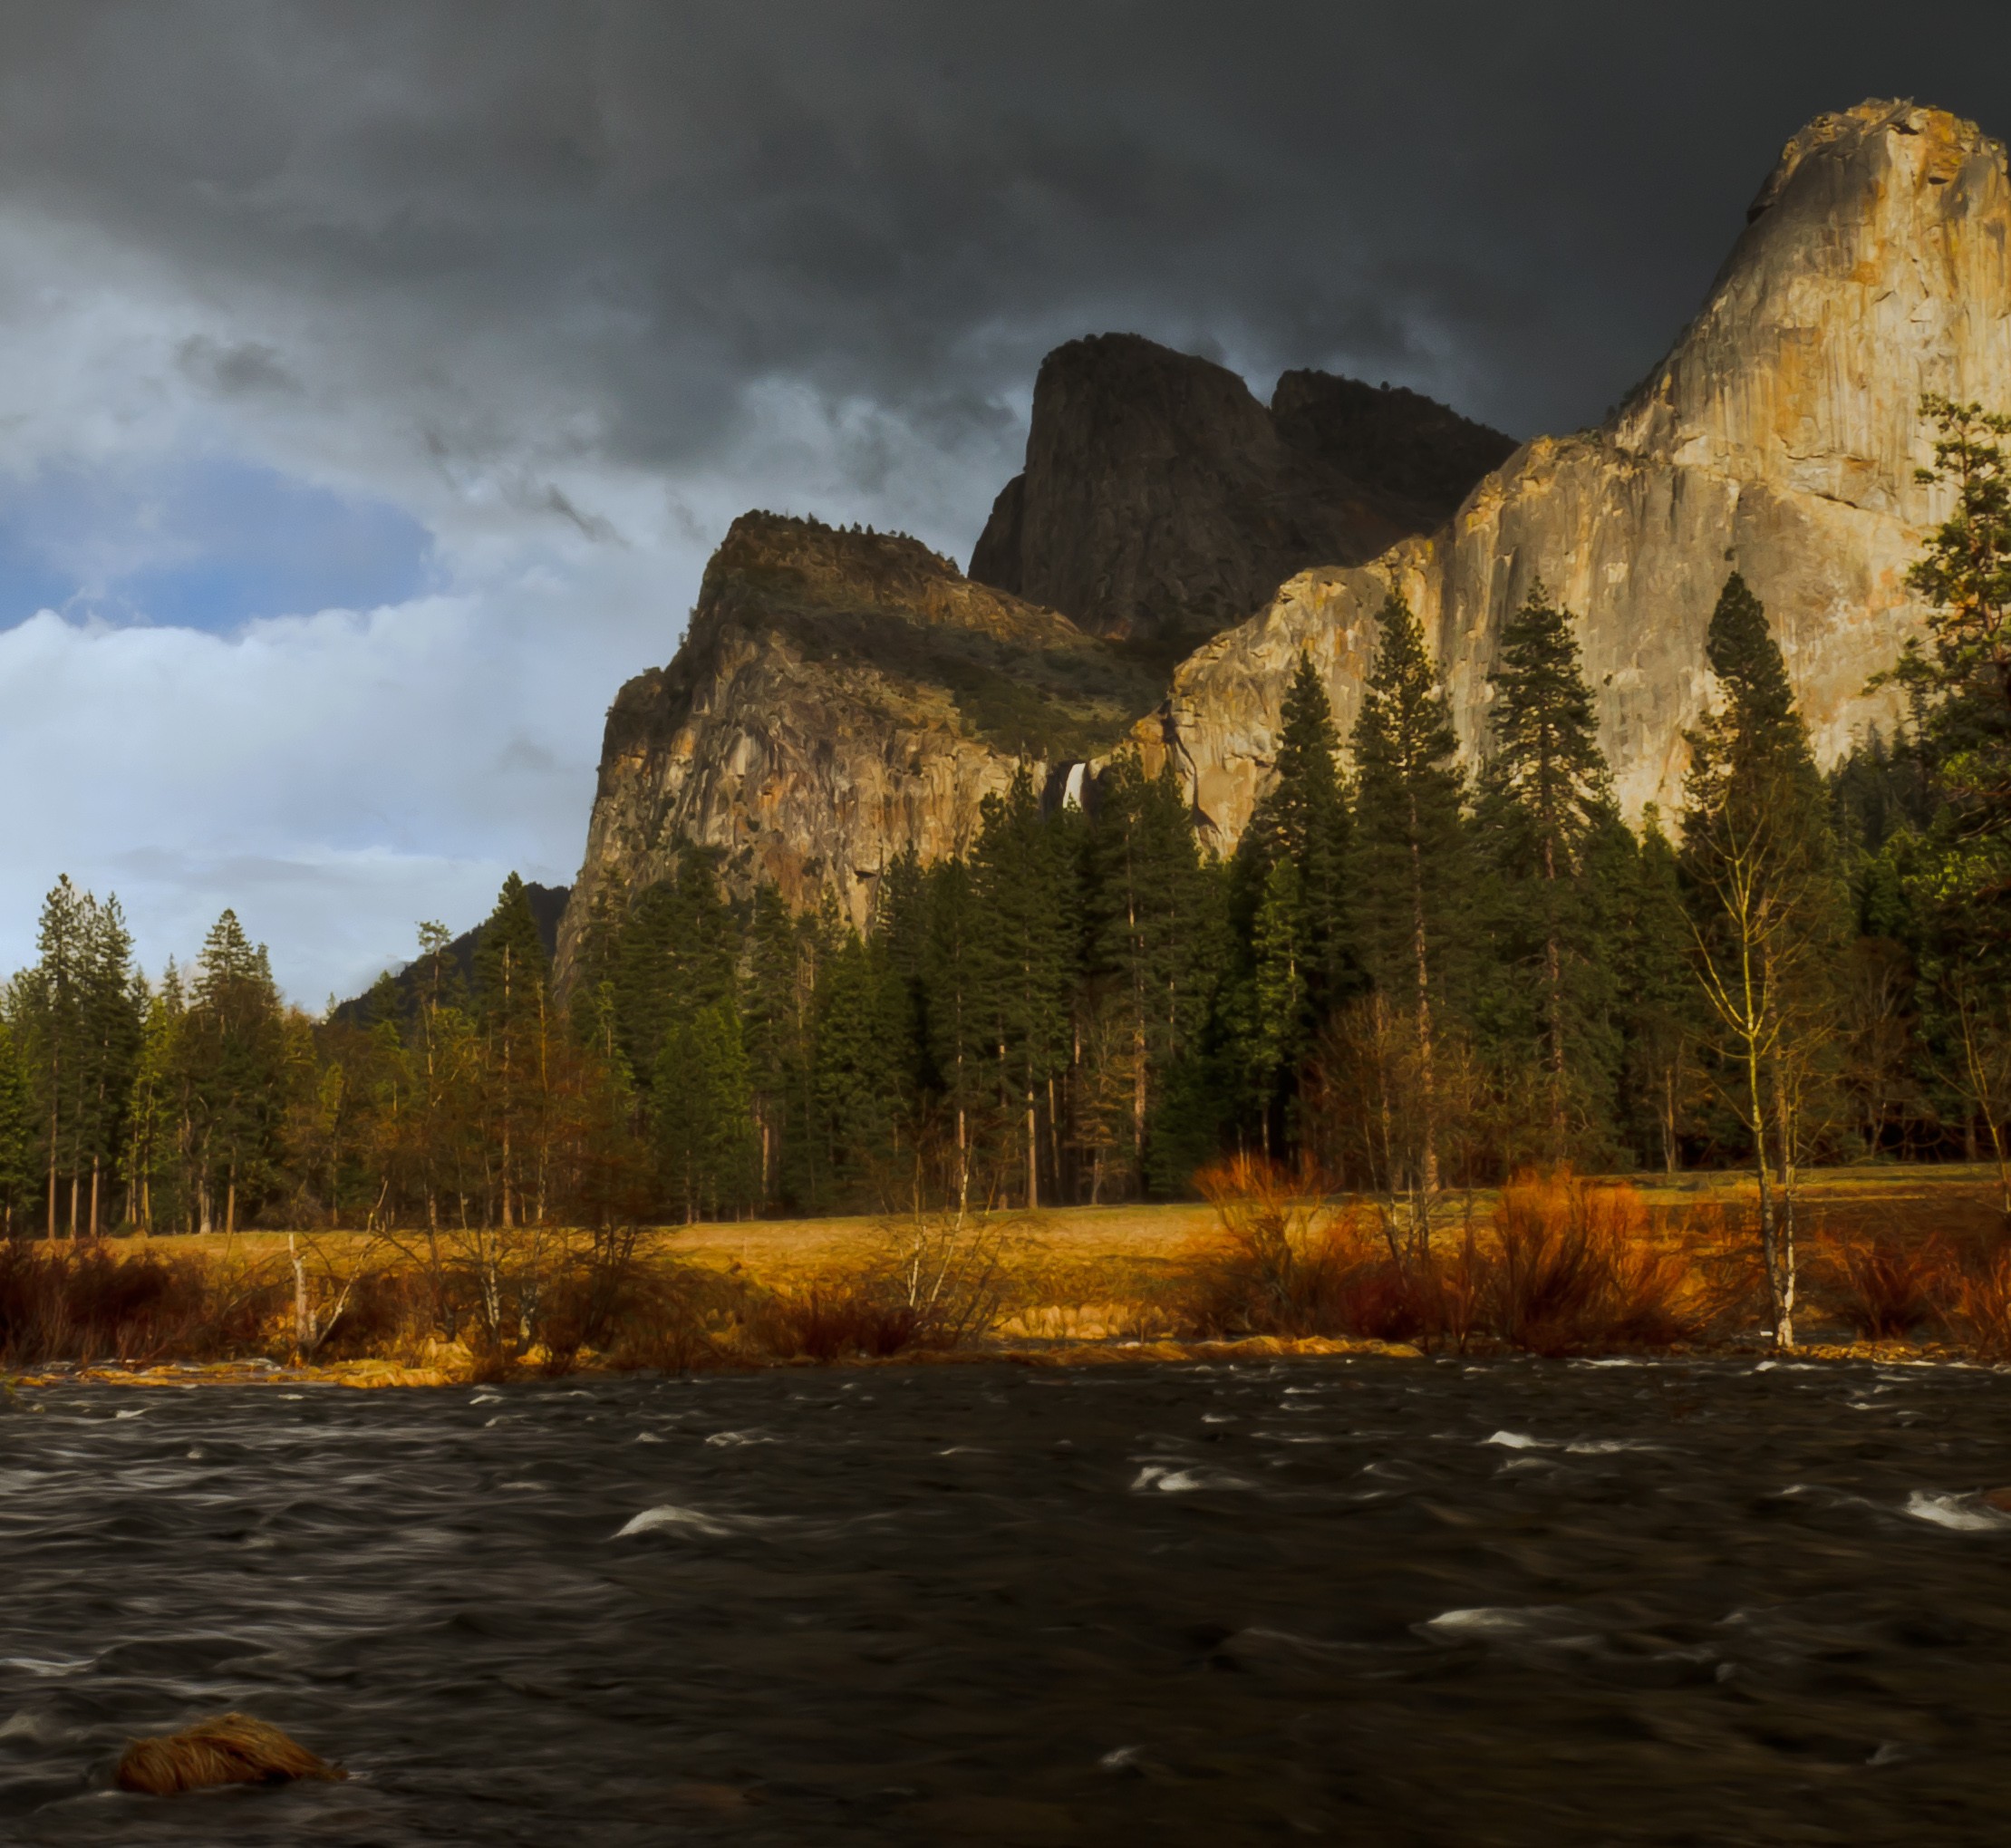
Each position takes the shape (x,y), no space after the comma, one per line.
(1552,1264)
(1559,1263)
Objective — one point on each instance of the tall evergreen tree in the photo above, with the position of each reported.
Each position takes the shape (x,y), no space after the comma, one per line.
(775,1016)
(1660,1000)
(235,1051)
(18,1140)
(111,1023)
(1410,847)
(859,1014)
(1769,911)
(1292,896)
(1546,809)
(1024,946)
(49,1007)
(960,1043)
(510,990)
(704,1106)
(1152,926)
(1960,680)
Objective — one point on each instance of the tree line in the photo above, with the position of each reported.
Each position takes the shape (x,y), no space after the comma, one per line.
(1418,977)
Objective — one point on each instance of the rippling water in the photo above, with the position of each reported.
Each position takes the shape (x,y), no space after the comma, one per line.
(1408,1602)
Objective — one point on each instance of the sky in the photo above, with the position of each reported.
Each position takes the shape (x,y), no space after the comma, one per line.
(375,378)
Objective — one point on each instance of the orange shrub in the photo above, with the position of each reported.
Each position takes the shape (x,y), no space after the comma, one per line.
(1888,1287)
(1572,1267)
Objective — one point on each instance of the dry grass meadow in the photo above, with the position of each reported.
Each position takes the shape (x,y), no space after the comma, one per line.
(1895,1258)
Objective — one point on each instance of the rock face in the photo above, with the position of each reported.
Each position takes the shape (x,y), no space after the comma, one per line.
(1162,501)
(840,696)
(837,697)
(1780,436)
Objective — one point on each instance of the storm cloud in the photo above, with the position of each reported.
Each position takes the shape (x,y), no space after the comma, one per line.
(378,376)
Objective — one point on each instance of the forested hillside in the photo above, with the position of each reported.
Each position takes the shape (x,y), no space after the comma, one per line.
(1413,979)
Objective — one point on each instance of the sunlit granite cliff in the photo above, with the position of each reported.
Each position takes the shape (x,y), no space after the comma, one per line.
(837,697)
(1780,435)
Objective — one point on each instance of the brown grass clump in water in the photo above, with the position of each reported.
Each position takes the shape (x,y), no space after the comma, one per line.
(231,1748)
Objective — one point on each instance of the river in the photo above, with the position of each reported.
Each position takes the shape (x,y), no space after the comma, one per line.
(1496,1602)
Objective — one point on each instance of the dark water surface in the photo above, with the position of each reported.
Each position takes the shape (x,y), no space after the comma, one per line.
(1423,1602)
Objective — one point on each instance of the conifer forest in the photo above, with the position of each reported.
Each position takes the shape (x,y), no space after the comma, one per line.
(1412,975)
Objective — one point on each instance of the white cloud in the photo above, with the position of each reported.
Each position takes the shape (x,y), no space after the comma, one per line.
(334,778)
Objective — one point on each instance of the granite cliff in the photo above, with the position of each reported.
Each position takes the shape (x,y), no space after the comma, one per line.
(1780,435)
(1160,501)
(837,697)
(841,695)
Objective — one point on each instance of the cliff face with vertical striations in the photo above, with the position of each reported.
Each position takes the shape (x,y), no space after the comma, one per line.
(1780,435)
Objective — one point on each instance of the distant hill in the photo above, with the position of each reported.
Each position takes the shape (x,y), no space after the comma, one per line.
(547,906)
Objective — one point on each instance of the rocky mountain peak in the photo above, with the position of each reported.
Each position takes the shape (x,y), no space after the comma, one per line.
(1944,142)
(1162,500)
(840,696)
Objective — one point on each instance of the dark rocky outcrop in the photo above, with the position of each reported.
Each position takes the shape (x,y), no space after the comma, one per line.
(1162,501)
(1419,456)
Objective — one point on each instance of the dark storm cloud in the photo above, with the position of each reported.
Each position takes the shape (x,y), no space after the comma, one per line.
(499,214)
(377,376)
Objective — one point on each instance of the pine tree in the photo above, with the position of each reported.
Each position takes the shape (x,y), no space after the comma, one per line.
(1151,928)
(1025,948)
(235,1053)
(1410,848)
(17,1164)
(958,1043)
(704,1106)
(1292,874)
(1960,681)
(775,1015)
(1768,909)
(1546,809)
(110,1024)
(511,1005)
(159,1122)
(854,1090)
(1660,1011)
(49,1006)
(901,937)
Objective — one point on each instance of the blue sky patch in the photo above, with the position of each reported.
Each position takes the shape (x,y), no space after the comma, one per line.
(206,543)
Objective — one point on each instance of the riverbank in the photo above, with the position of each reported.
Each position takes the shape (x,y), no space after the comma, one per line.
(1898,1262)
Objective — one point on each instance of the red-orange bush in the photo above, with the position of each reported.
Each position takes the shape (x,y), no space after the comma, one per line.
(1572,1266)
(1564,1266)
(1289,1264)
(1888,1287)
